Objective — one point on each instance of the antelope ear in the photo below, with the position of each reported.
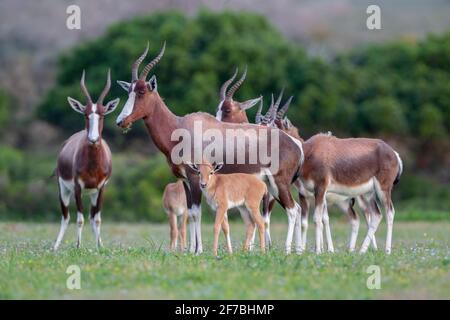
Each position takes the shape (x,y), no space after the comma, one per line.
(76,105)
(111,106)
(287,123)
(152,84)
(193,166)
(218,166)
(125,85)
(249,103)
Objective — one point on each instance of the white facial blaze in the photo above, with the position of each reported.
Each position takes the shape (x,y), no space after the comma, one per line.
(129,105)
(219,111)
(93,134)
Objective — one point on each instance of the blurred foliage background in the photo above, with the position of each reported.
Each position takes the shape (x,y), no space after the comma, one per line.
(398,90)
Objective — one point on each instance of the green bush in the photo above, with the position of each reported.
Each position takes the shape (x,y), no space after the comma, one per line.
(393,88)
(194,66)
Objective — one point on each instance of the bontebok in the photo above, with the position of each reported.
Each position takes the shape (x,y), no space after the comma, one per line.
(84,163)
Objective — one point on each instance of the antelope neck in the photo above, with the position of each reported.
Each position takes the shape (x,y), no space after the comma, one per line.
(160,123)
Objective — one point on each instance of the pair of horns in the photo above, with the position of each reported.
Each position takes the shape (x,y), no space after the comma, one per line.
(104,92)
(272,113)
(223,90)
(148,67)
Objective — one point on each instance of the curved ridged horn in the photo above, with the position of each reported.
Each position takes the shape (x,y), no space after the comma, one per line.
(266,118)
(84,89)
(135,66)
(284,109)
(152,63)
(258,116)
(271,113)
(106,89)
(225,85)
(236,85)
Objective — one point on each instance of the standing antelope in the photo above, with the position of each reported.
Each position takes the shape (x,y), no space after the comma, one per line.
(145,103)
(174,202)
(223,193)
(84,163)
(344,203)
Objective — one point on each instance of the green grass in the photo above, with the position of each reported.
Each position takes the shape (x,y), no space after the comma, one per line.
(135,264)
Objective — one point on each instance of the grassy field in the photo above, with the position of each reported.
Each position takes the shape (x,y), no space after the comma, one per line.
(135,264)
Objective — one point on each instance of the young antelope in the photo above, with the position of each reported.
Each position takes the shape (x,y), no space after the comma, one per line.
(227,191)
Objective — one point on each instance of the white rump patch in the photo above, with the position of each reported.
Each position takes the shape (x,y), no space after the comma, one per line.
(299,144)
(400,163)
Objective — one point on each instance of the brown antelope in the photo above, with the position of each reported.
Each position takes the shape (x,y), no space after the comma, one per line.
(84,163)
(344,203)
(174,202)
(223,193)
(334,184)
(169,132)
(233,112)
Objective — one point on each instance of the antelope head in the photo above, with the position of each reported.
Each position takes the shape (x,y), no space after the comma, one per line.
(94,113)
(141,93)
(205,171)
(230,110)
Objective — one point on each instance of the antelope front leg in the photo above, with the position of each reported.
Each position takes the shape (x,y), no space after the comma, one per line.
(183,231)
(226,232)
(96,220)
(80,217)
(326,222)
(220,214)
(193,200)
(64,199)
(304,219)
(173,230)
(319,195)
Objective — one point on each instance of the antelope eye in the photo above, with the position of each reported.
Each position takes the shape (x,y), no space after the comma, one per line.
(211,173)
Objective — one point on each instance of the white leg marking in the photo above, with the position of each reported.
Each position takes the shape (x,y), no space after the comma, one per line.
(95,223)
(354,233)
(318,210)
(195,229)
(62,230)
(298,231)
(292,217)
(373,225)
(390,213)
(326,222)
(80,223)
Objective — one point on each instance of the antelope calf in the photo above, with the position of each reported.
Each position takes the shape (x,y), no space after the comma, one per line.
(84,163)
(236,190)
(174,202)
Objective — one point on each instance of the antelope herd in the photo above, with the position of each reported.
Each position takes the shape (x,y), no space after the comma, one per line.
(324,169)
